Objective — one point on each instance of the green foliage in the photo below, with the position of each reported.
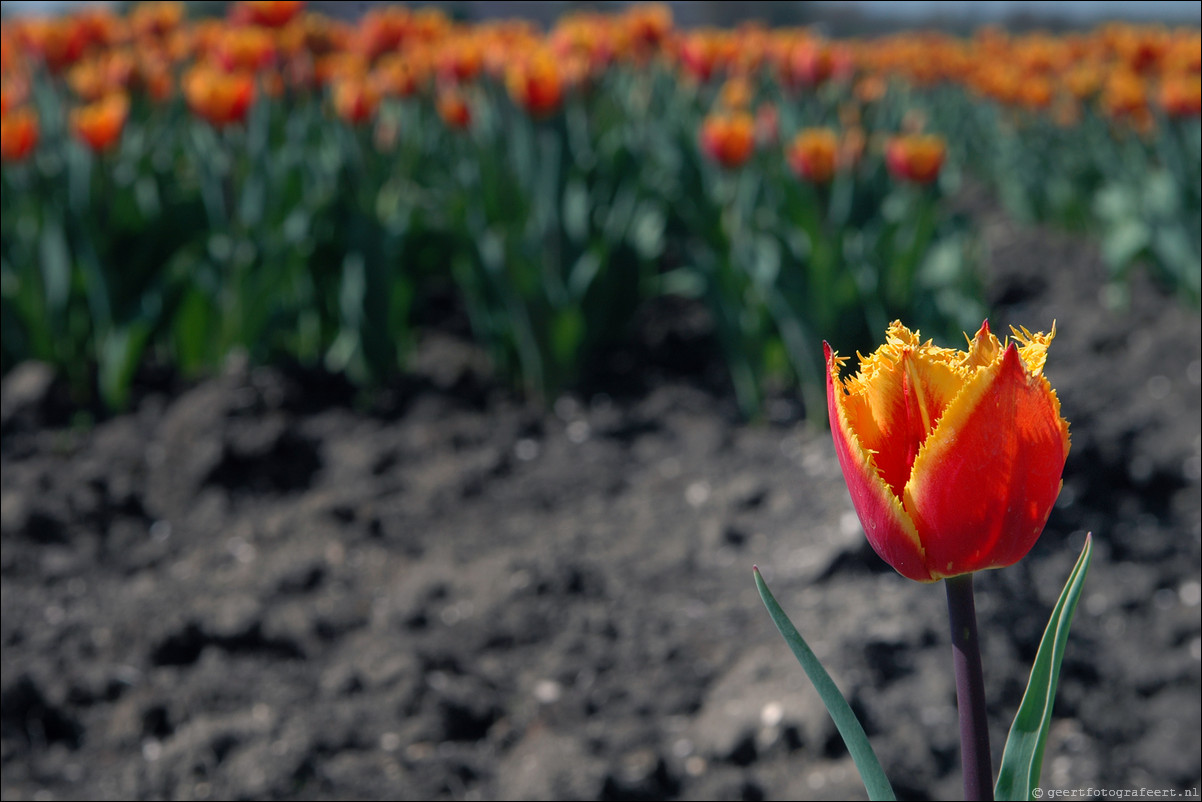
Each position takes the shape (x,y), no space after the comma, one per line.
(1139,194)
(297,236)
(852,732)
(1022,759)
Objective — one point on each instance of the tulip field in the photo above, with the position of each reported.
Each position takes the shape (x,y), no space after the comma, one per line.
(298,188)
(394,406)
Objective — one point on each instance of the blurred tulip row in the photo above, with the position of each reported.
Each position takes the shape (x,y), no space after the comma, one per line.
(298,187)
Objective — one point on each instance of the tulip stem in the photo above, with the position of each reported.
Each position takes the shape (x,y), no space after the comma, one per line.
(970,689)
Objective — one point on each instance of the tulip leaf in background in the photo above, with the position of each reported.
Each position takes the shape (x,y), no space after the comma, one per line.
(1022,759)
(845,719)
(1137,195)
(1152,221)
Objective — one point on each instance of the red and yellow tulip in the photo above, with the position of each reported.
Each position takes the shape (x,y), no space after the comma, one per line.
(814,155)
(219,97)
(355,100)
(535,84)
(728,139)
(916,157)
(99,125)
(953,458)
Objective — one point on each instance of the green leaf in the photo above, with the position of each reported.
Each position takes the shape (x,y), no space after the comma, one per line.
(1124,241)
(1023,756)
(119,354)
(849,727)
(193,325)
(55,258)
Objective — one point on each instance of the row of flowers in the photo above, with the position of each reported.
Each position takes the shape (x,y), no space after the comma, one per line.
(181,189)
(219,65)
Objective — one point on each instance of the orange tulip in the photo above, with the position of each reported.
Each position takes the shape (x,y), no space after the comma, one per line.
(156,20)
(244,49)
(583,37)
(155,78)
(728,138)
(953,458)
(381,30)
(400,76)
(453,109)
(355,100)
(534,83)
(915,157)
(60,42)
(813,155)
(736,94)
(219,97)
(646,28)
(18,134)
(99,124)
(1181,95)
(871,88)
(1125,94)
(812,62)
(705,52)
(460,59)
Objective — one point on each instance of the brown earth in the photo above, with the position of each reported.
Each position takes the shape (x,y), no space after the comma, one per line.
(259,587)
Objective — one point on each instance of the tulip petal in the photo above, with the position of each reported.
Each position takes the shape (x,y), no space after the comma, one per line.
(1003,437)
(898,398)
(889,530)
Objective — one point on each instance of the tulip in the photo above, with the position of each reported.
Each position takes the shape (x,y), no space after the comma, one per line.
(703,53)
(915,157)
(535,84)
(1181,95)
(736,94)
(728,139)
(813,155)
(355,100)
(953,458)
(99,124)
(18,134)
(813,62)
(453,109)
(647,27)
(218,97)
(156,20)
(268,13)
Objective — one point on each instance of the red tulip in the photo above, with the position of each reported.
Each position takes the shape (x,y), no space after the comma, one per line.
(953,458)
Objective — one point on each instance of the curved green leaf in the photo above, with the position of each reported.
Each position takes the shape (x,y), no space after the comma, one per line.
(849,727)
(1023,756)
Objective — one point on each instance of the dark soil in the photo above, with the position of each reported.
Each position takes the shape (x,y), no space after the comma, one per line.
(259,587)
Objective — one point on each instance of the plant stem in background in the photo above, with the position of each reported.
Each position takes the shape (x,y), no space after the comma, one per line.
(970,689)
